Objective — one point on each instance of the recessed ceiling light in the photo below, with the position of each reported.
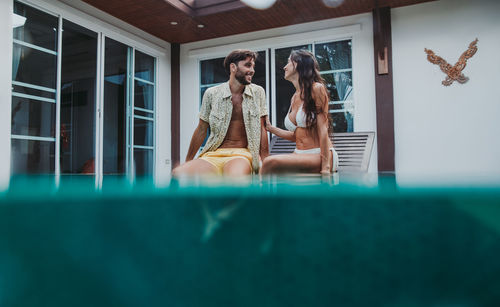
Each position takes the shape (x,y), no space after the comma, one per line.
(333,3)
(259,4)
(174,23)
(201,26)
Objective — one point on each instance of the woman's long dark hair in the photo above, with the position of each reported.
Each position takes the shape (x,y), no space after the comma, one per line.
(308,70)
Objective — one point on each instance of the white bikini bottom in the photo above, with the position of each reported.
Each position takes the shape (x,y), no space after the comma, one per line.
(317,150)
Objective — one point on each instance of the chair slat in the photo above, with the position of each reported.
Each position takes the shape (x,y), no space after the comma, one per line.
(354,149)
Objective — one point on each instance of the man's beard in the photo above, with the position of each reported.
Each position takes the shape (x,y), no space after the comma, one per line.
(241,77)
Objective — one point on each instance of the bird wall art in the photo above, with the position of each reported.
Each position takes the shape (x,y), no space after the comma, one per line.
(454,73)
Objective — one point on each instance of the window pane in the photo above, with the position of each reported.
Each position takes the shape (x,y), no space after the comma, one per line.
(144,114)
(33,117)
(143,132)
(339,85)
(284,89)
(259,77)
(79,60)
(342,122)
(212,71)
(334,55)
(143,160)
(144,66)
(40,28)
(143,95)
(32,157)
(115,114)
(34,67)
(34,92)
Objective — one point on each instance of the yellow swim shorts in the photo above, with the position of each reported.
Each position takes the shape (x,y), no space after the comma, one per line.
(221,156)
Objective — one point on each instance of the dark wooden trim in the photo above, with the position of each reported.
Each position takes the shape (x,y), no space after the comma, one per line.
(175,103)
(384,88)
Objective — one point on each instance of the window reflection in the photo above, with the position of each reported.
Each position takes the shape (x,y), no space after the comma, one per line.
(143,162)
(39,29)
(144,66)
(33,117)
(79,61)
(143,95)
(32,157)
(115,107)
(34,69)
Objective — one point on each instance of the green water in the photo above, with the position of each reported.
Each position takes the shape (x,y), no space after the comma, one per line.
(300,241)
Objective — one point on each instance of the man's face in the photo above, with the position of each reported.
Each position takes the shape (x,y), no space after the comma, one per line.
(245,71)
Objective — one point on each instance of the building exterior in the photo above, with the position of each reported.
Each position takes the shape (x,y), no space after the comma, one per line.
(108,93)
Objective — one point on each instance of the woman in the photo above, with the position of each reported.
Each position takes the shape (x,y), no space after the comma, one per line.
(307,121)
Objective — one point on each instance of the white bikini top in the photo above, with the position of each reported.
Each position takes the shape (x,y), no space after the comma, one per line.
(300,118)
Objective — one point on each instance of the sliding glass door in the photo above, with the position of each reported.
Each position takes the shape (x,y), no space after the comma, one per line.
(129,111)
(115,107)
(70,95)
(78,97)
(34,80)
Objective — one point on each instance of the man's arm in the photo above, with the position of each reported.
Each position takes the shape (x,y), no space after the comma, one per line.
(264,145)
(199,135)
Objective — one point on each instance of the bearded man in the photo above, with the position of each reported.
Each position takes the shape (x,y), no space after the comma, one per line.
(235,111)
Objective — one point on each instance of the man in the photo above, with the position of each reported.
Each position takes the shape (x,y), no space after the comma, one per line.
(235,112)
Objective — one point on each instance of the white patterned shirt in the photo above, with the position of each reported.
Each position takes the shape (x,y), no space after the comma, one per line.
(217,108)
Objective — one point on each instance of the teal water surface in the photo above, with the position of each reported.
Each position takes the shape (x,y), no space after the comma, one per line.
(296,241)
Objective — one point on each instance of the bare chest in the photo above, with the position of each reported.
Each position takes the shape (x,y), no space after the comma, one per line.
(237,113)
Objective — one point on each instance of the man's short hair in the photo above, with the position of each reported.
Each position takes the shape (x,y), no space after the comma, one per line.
(238,55)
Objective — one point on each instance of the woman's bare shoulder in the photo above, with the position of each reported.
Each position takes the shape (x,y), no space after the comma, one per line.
(319,93)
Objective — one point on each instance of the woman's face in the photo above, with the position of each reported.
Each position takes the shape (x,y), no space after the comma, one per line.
(290,69)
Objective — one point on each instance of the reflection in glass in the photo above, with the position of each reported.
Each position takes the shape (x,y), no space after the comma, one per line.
(143,113)
(339,85)
(284,89)
(143,162)
(143,95)
(79,61)
(144,66)
(40,28)
(259,77)
(342,122)
(143,132)
(34,92)
(334,55)
(33,117)
(115,106)
(34,67)
(32,157)
(212,71)
(341,100)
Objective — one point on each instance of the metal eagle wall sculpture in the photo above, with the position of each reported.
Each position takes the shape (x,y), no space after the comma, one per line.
(454,73)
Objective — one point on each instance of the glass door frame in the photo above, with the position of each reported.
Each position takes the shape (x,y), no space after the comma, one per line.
(130,107)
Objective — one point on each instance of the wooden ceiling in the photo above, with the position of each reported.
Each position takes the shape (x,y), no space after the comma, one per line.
(204,19)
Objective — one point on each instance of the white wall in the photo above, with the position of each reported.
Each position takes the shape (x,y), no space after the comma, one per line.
(358,27)
(6,8)
(101,22)
(453,131)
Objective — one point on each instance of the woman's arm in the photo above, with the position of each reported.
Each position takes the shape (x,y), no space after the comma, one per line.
(285,134)
(320,96)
